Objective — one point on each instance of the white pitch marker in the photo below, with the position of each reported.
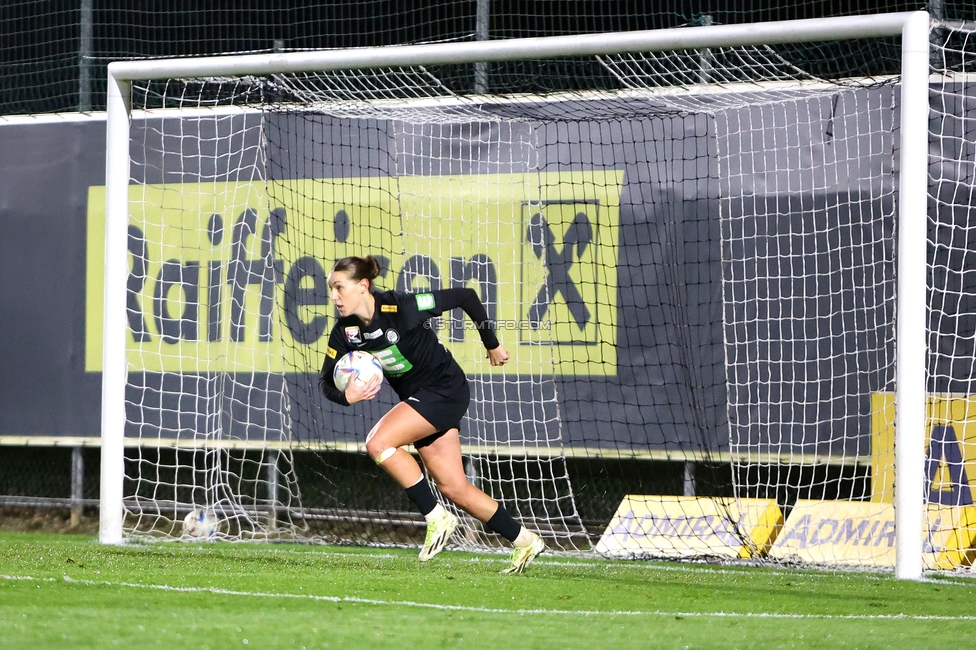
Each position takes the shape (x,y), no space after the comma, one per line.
(492,610)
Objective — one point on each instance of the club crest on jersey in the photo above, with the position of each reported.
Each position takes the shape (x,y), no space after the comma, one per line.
(392,336)
(353,335)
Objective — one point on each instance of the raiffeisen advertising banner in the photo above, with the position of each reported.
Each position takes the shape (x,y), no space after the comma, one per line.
(231,277)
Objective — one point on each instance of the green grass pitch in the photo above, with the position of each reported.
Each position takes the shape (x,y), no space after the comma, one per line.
(67,591)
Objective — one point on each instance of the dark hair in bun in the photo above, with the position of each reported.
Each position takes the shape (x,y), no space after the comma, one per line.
(359,267)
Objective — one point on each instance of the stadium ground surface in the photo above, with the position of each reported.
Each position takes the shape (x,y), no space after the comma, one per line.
(67,591)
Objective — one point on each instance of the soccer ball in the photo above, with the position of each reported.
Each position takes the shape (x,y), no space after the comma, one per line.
(200,523)
(358,365)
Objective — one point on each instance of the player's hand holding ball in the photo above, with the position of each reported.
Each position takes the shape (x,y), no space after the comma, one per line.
(358,391)
(359,375)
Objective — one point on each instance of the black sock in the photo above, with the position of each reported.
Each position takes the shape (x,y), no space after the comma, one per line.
(502,523)
(421,494)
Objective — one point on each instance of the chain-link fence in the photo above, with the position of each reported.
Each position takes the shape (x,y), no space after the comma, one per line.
(53,55)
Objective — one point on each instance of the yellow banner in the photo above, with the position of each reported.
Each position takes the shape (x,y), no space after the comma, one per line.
(838,532)
(951,533)
(231,276)
(950,449)
(684,527)
(863,533)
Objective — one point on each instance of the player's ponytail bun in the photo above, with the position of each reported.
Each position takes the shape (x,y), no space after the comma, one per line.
(359,267)
(374,268)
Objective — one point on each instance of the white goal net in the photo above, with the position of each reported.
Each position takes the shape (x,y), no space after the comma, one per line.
(691,254)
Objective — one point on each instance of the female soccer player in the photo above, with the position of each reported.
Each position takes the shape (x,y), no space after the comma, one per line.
(395,327)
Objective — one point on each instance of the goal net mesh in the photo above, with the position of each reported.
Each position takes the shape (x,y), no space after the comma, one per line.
(691,260)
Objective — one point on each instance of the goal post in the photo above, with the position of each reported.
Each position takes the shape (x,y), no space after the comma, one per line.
(911,204)
(114,334)
(910,356)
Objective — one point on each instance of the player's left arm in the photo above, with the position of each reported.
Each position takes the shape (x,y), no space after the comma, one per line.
(467,299)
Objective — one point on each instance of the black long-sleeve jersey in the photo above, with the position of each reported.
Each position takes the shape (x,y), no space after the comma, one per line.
(401,339)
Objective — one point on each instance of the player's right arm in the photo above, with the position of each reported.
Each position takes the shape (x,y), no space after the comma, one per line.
(333,352)
(355,391)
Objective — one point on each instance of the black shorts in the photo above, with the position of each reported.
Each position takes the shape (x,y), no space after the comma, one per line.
(443,406)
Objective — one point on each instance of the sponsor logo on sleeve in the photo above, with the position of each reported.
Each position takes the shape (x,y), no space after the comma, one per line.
(388,308)
(331,352)
(425,301)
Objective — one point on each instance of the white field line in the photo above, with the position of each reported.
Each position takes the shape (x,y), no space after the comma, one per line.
(491,610)
(960,580)
(597,563)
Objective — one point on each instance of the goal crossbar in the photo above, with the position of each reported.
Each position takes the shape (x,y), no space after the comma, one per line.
(912,27)
(656,40)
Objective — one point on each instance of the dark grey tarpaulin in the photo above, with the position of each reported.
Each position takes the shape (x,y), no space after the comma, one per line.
(670,390)
(46,169)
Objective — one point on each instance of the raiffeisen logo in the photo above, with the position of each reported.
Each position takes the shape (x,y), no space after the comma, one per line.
(231,277)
